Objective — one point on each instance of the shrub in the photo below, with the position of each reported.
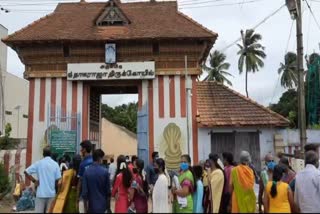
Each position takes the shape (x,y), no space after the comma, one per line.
(4,179)
(7,143)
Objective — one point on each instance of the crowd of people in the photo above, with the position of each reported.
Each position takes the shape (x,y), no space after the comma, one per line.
(213,186)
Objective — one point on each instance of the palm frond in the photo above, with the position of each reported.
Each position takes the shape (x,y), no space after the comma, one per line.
(227,81)
(224,66)
(240,46)
(225,73)
(260,53)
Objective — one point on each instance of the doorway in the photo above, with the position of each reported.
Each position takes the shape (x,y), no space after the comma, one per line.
(235,142)
(114,117)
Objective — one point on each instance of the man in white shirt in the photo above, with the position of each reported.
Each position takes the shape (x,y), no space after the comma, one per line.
(307,188)
(112,170)
(312,147)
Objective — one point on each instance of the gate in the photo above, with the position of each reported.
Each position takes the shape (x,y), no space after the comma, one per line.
(142,134)
(63,128)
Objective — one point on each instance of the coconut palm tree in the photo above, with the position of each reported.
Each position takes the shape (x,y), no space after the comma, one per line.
(288,71)
(251,54)
(217,71)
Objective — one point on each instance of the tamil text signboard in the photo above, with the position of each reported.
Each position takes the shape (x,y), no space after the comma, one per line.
(63,142)
(118,71)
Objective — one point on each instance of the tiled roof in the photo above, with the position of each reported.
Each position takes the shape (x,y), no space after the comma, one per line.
(219,106)
(148,20)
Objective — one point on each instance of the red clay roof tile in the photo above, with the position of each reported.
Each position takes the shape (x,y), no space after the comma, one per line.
(76,21)
(219,106)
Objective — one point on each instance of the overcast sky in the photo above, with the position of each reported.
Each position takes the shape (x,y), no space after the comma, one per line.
(226,17)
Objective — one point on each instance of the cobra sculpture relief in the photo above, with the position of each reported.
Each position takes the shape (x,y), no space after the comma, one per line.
(172,137)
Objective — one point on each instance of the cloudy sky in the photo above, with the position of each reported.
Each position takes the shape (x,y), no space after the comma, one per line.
(226,17)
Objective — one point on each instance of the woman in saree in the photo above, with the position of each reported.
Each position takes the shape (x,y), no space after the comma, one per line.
(242,186)
(183,202)
(216,181)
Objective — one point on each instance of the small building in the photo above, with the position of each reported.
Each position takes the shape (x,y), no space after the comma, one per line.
(14,96)
(231,122)
(16,99)
(117,140)
(3,68)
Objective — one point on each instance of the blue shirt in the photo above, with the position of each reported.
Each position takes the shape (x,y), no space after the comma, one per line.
(151,174)
(48,172)
(198,198)
(96,188)
(87,161)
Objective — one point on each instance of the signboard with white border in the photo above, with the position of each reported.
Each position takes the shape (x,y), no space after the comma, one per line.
(118,71)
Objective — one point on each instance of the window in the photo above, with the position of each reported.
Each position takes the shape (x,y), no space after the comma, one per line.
(8,112)
(112,16)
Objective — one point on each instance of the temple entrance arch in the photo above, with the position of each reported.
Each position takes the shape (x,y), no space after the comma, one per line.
(110,34)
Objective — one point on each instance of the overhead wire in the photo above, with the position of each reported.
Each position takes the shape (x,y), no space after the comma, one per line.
(286,51)
(183,5)
(314,17)
(205,2)
(32,4)
(287,47)
(256,26)
(220,5)
(197,1)
(43,10)
(308,33)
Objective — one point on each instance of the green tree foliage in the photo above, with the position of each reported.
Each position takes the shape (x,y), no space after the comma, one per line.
(217,69)
(124,115)
(5,141)
(288,71)
(8,129)
(288,107)
(4,179)
(251,54)
(312,58)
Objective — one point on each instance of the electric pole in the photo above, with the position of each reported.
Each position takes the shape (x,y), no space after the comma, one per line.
(294,7)
(1,103)
(187,104)
(301,96)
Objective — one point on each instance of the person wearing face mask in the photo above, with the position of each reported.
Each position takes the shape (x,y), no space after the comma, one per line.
(264,178)
(183,202)
(160,194)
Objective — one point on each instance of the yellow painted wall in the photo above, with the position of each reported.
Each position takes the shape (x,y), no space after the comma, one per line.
(117,140)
